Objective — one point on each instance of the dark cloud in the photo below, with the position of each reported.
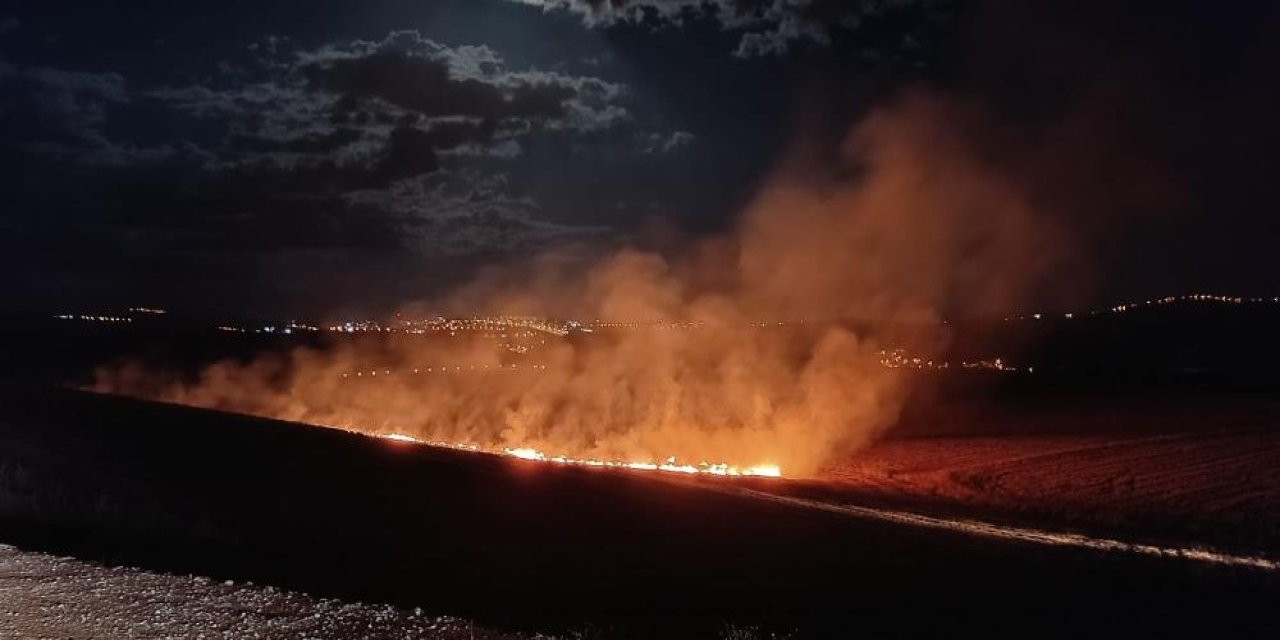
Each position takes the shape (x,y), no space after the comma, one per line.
(348,121)
(658,143)
(427,86)
(451,134)
(54,109)
(309,143)
(314,102)
(416,74)
(250,149)
(768,27)
(409,152)
(391,147)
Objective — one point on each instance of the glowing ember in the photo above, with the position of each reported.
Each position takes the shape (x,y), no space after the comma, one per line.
(400,437)
(525,454)
(770,471)
(670,465)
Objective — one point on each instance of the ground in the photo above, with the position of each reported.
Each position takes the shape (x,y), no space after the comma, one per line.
(535,548)
(46,596)
(1218,488)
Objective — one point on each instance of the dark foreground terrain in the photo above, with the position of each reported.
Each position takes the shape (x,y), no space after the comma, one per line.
(527,546)
(50,597)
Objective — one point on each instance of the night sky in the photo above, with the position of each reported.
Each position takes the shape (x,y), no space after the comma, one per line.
(321,157)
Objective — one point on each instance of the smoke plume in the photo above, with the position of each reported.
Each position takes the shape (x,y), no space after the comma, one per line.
(769,350)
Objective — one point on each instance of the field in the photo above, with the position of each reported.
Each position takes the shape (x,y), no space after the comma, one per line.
(528,547)
(1219,488)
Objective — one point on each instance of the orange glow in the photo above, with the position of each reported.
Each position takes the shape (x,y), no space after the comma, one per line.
(669,465)
(400,437)
(745,354)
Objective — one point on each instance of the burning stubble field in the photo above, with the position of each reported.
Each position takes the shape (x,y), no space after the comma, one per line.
(533,546)
(826,318)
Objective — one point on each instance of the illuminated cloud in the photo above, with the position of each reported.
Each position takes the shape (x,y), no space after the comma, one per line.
(341,103)
(658,143)
(769,27)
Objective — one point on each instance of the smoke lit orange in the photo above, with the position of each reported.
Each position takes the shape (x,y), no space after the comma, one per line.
(688,357)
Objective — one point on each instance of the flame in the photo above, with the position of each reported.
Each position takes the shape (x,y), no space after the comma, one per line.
(670,465)
(400,437)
